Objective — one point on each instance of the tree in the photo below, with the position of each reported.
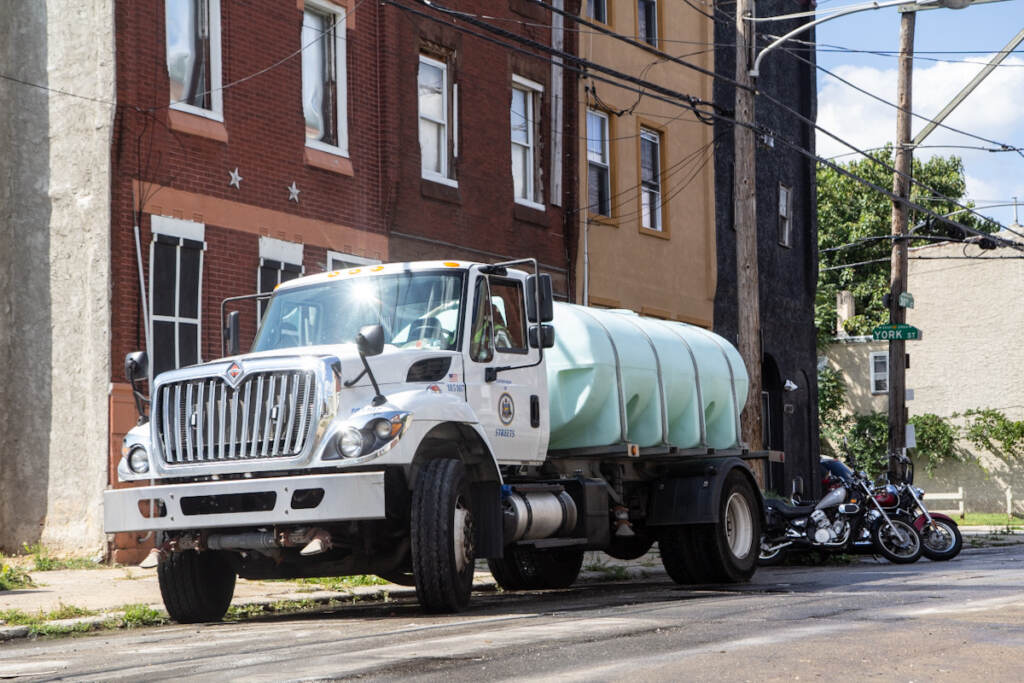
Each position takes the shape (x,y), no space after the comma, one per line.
(854,226)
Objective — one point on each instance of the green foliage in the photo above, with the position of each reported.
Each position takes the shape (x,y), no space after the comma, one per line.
(134,616)
(831,394)
(42,561)
(850,213)
(989,429)
(936,440)
(12,578)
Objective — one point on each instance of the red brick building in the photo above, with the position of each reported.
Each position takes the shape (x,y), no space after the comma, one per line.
(256,141)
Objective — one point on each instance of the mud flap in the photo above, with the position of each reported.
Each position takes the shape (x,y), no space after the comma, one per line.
(694,498)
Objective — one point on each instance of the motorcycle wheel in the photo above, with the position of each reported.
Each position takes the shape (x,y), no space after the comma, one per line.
(941,540)
(900,546)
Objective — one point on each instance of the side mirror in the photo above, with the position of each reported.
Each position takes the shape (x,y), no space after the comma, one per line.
(547,310)
(231,335)
(370,340)
(547,336)
(136,366)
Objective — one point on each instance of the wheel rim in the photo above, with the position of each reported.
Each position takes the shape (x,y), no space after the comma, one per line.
(739,525)
(900,541)
(938,537)
(463,537)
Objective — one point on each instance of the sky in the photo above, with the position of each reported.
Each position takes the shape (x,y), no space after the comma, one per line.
(995,110)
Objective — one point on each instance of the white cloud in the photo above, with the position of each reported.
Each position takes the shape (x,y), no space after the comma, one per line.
(995,110)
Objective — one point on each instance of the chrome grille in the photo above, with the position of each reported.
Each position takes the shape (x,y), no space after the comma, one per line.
(268,415)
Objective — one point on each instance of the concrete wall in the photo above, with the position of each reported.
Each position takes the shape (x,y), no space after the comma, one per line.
(852,358)
(970,356)
(668,274)
(55,272)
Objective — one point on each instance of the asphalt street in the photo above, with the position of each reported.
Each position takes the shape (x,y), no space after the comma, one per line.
(955,621)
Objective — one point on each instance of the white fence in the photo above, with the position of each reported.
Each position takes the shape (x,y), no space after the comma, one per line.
(957,498)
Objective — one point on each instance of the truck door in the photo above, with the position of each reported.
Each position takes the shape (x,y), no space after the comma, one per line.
(511,408)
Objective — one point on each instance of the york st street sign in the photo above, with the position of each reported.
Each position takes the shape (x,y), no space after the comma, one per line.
(896,332)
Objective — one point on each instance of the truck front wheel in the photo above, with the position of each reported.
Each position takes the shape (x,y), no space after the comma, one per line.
(442,537)
(196,587)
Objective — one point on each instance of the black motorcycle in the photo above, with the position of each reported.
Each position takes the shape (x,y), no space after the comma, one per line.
(847,514)
(940,535)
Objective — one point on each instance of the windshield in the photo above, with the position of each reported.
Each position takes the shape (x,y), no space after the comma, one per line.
(417,310)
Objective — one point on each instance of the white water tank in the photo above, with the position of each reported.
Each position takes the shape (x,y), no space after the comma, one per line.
(615,377)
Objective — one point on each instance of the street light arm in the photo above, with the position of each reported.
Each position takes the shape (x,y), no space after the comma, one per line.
(755,71)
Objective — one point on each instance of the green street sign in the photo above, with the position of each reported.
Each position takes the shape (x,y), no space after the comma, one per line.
(898,332)
(906,300)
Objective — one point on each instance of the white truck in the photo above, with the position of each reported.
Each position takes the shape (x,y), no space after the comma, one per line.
(407,419)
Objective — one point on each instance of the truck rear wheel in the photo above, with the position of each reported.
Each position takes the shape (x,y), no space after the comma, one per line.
(442,537)
(526,568)
(725,552)
(196,587)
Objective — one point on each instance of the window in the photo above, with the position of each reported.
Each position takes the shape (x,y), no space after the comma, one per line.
(499,323)
(339,261)
(598,177)
(175,292)
(785,211)
(193,55)
(438,106)
(280,261)
(647,21)
(525,170)
(879,372)
(598,10)
(324,94)
(650,179)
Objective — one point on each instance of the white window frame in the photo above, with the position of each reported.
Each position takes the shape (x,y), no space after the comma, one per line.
(875,376)
(534,91)
(449,98)
(340,75)
(654,136)
(216,112)
(785,215)
(606,164)
(182,230)
(284,253)
(332,256)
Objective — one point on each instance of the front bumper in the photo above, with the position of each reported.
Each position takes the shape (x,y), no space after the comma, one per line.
(351,496)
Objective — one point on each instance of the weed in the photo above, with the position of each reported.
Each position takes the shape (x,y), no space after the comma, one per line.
(12,578)
(140,615)
(69,612)
(344,583)
(44,562)
(239,612)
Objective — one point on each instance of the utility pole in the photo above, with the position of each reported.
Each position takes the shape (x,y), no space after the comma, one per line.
(744,196)
(898,272)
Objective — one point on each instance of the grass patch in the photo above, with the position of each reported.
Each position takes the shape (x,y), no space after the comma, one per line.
(242,612)
(989,519)
(17,617)
(134,616)
(42,561)
(344,583)
(12,578)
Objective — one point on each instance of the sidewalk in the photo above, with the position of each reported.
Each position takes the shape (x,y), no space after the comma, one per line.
(107,591)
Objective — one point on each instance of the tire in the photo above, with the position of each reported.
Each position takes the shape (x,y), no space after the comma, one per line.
(196,587)
(526,568)
(629,547)
(731,546)
(679,554)
(443,556)
(941,542)
(897,550)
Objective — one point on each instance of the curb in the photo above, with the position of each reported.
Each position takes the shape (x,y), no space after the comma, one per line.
(483,582)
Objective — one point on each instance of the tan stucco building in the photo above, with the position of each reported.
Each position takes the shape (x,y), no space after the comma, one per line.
(970,356)
(647,217)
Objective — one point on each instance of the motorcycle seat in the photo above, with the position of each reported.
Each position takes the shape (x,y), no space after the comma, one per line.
(791,511)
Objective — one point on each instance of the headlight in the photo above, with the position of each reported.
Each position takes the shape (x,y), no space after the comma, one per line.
(351,443)
(138,460)
(376,436)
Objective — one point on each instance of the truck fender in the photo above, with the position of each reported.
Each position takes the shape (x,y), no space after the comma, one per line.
(696,498)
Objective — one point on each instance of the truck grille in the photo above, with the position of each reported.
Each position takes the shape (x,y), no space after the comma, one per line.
(268,415)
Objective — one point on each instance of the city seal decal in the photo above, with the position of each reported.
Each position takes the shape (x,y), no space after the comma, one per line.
(506,409)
